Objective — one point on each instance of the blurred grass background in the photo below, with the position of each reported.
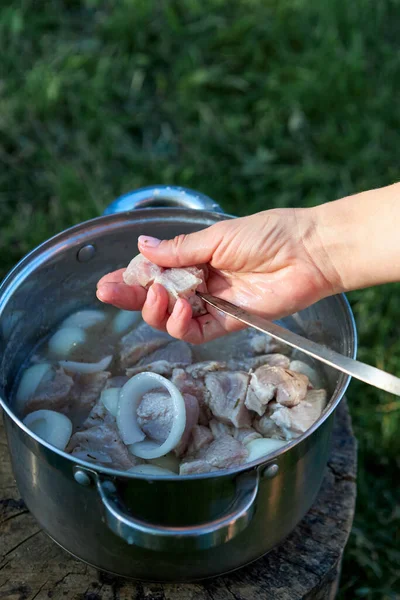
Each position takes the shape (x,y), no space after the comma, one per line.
(258,103)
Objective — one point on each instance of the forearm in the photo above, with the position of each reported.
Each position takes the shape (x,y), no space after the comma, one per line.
(360,238)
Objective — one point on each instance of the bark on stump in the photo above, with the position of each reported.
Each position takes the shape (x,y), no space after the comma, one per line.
(306,566)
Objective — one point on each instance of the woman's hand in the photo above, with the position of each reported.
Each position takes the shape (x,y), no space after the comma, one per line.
(271,263)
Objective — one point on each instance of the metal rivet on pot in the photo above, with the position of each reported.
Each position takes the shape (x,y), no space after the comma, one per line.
(86,253)
(270,471)
(82,478)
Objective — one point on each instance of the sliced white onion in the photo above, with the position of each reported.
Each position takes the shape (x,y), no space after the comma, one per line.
(169,462)
(30,381)
(262,447)
(84,319)
(110,399)
(66,339)
(125,319)
(150,470)
(130,397)
(53,427)
(79,367)
(93,455)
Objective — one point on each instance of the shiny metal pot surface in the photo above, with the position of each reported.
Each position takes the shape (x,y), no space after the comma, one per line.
(153,528)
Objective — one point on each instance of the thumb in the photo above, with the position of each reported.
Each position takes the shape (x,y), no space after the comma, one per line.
(184,250)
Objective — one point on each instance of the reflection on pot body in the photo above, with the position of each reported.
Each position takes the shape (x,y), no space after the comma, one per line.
(171,529)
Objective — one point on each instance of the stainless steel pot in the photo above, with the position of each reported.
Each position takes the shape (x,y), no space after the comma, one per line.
(168,528)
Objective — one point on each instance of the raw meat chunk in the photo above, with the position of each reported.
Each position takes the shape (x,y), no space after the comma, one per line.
(192,417)
(140,342)
(223,453)
(102,444)
(296,420)
(97,416)
(201,437)
(72,396)
(52,393)
(179,283)
(200,369)
(186,384)
(141,271)
(174,352)
(261,343)
(246,435)
(266,426)
(243,434)
(196,466)
(164,360)
(162,367)
(273,360)
(267,382)
(226,393)
(219,429)
(182,283)
(87,389)
(155,415)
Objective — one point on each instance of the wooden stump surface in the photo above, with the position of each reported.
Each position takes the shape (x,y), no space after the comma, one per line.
(306,565)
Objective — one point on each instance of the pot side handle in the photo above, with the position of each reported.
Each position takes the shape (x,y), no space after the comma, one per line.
(162,196)
(185,538)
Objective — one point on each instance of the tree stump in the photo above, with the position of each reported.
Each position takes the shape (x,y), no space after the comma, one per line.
(306,566)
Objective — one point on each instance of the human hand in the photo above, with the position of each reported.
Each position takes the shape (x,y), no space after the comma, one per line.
(271,263)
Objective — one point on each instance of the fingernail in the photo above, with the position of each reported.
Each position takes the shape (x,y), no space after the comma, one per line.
(178,308)
(151,297)
(100,293)
(150,242)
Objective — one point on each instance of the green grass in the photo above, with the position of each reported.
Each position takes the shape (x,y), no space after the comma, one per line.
(258,103)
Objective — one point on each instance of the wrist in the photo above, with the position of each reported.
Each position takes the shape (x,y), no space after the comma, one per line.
(358,238)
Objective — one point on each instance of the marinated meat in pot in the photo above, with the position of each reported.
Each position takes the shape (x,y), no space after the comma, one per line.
(87,388)
(266,383)
(186,384)
(246,435)
(226,393)
(192,417)
(102,444)
(162,367)
(179,283)
(273,360)
(201,436)
(296,420)
(155,416)
(164,360)
(73,395)
(53,392)
(219,429)
(223,453)
(234,392)
(139,342)
(200,369)
(261,343)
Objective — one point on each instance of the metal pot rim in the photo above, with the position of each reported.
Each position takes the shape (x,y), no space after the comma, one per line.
(98,225)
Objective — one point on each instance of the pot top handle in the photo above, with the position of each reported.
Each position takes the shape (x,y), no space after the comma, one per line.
(162,196)
(186,538)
